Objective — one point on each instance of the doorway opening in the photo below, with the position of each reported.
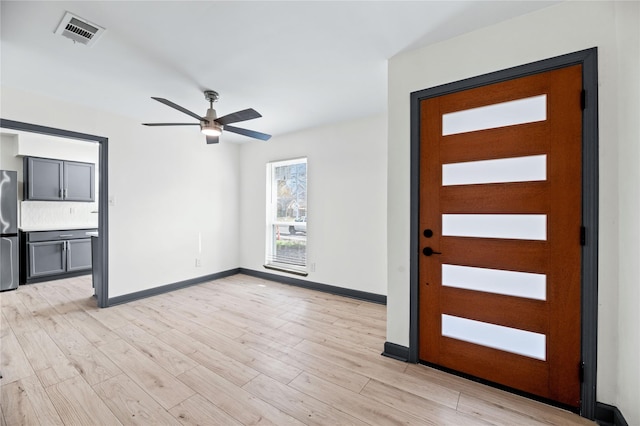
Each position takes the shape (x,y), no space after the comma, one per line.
(102,290)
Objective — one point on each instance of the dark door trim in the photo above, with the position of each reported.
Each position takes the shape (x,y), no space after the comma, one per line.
(103,185)
(589,60)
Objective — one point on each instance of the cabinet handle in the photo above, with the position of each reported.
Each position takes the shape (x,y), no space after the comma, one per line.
(66,193)
(65,235)
(59,193)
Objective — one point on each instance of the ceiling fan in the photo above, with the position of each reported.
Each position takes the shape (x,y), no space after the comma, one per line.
(211,125)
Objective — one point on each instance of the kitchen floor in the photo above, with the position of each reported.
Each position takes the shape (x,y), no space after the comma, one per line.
(234,351)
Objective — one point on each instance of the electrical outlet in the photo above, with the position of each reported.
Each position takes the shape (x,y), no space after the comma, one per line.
(198,262)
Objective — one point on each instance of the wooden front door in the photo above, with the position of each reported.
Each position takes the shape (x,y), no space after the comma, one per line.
(500,222)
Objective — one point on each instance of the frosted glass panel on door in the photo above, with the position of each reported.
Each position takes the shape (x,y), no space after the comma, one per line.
(510,283)
(520,111)
(507,339)
(518,169)
(512,226)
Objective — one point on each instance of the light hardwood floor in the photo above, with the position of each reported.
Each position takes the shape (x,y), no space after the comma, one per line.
(229,352)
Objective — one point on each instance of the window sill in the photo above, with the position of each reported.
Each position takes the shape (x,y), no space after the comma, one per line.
(285,269)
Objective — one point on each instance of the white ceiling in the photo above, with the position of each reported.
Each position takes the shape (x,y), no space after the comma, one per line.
(300,64)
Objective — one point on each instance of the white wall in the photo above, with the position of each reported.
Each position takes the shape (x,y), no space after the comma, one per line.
(169,188)
(346,198)
(628,126)
(560,29)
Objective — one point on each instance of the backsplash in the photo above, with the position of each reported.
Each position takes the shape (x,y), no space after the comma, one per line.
(56,214)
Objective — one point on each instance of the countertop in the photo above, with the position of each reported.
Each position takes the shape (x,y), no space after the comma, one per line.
(55,228)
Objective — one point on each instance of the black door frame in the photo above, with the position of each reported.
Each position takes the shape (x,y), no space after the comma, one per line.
(103,188)
(589,308)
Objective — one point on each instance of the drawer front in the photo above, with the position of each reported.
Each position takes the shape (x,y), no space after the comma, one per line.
(58,235)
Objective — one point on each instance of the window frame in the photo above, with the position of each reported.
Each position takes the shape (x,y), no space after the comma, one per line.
(271,219)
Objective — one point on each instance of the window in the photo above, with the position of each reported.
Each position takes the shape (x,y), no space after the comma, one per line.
(287,216)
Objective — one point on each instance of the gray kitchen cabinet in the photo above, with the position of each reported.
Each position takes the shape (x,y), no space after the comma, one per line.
(56,254)
(79,255)
(48,179)
(79,181)
(43,179)
(47,258)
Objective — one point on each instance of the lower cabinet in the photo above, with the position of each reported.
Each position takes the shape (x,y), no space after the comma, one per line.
(56,254)
(46,258)
(79,254)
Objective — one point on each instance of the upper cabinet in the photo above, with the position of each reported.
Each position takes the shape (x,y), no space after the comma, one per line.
(47,179)
(79,181)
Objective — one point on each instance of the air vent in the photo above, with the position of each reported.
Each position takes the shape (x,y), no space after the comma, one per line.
(79,30)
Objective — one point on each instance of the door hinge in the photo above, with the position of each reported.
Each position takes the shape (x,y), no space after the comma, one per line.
(583,99)
(583,236)
(581,371)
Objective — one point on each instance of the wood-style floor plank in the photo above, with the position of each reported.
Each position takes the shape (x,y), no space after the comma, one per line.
(93,365)
(25,402)
(354,404)
(154,379)
(430,412)
(197,411)
(154,320)
(528,407)
(132,405)
(163,354)
(221,364)
(257,360)
(235,401)
(309,363)
(92,329)
(298,404)
(381,370)
(78,404)
(234,351)
(16,314)
(14,364)
(51,365)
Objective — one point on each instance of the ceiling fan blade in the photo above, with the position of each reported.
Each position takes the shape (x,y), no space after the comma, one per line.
(170,124)
(178,107)
(234,117)
(212,139)
(247,132)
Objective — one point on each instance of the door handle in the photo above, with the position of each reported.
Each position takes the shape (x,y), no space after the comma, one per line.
(428,251)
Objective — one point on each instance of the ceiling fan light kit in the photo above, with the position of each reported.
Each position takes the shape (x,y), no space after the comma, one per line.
(211,130)
(210,124)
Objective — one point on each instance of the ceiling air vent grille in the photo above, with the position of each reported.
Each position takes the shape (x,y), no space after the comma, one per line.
(79,30)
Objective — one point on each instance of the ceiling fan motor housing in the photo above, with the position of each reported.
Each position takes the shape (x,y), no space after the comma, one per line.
(209,126)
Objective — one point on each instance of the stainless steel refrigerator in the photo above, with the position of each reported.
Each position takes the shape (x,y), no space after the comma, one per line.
(8,230)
